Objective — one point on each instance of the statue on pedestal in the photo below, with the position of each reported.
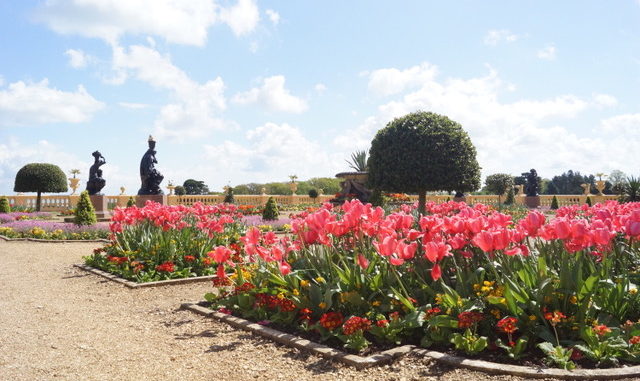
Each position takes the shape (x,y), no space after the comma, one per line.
(532,183)
(150,177)
(96,182)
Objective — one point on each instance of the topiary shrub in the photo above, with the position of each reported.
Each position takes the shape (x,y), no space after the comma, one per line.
(180,191)
(131,202)
(588,201)
(4,205)
(85,214)
(270,212)
(40,178)
(313,193)
(377,198)
(228,198)
(511,197)
(422,152)
(554,203)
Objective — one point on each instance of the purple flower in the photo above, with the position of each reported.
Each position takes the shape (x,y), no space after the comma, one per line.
(15,216)
(26,225)
(256,220)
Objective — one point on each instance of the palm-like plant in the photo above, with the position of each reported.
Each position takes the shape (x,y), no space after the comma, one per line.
(632,189)
(358,161)
(74,172)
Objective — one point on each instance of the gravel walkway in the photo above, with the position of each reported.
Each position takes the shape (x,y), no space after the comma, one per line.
(58,322)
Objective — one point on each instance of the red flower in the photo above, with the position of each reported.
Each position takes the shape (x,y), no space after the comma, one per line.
(305,314)
(355,324)
(634,340)
(382,323)
(468,318)
(507,325)
(555,317)
(601,330)
(167,267)
(246,286)
(432,312)
(189,258)
(331,320)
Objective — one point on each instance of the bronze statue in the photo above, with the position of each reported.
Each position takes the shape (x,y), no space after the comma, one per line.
(532,185)
(150,177)
(96,182)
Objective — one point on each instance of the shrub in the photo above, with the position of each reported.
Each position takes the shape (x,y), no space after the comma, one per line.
(511,197)
(631,190)
(40,178)
(85,214)
(313,193)
(180,191)
(588,201)
(228,198)
(192,186)
(270,212)
(377,198)
(422,152)
(554,203)
(131,202)
(4,205)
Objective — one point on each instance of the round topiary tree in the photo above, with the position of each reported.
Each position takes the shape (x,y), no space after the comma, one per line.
(270,212)
(85,213)
(313,193)
(421,152)
(180,191)
(40,178)
(4,205)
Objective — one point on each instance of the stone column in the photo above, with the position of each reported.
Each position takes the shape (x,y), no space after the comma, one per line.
(141,200)
(100,204)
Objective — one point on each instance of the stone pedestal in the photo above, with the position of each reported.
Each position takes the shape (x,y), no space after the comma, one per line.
(460,199)
(141,200)
(100,205)
(532,201)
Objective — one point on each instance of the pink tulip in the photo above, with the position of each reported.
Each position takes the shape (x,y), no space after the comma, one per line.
(363,262)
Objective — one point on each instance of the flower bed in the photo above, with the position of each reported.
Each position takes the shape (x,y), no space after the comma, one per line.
(280,225)
(560,291)
(49,230)
(169,242)
(21,216)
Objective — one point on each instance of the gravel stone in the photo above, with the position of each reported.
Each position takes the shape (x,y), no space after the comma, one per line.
(59,322)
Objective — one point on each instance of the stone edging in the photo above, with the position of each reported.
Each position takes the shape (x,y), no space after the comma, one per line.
(53,240)
(361,362)
(131,284)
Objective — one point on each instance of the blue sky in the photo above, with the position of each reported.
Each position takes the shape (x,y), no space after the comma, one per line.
(254,91)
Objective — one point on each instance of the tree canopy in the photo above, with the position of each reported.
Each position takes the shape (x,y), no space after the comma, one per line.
(421,152)
(192,186)
(40,178)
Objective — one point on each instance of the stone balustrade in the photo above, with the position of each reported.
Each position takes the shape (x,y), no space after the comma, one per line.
(58,203)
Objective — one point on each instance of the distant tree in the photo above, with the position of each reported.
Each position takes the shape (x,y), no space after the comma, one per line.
(329,185)
(569,183)
(499,183)
(180,191)
(192,186)
(618,179)
(313,193)
(358,161)
(277,188)
(40,178)
(421,152)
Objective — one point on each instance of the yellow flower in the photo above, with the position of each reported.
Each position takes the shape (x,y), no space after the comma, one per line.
(376,303)
(496,313)
(633,291)
(295,292)
(438,298)
(320,279)
(304,283)
(322,305)
(280,296)
(533,317)
(573,299)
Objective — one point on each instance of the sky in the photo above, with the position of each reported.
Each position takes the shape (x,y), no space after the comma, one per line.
(255,91)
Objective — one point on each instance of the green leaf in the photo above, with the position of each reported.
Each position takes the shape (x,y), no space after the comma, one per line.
(209,297)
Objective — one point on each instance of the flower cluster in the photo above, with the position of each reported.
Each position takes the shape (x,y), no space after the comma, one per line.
(355,324)
(331,320)
(468,318)
(167,267)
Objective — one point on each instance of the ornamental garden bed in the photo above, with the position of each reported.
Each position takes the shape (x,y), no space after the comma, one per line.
(131,284)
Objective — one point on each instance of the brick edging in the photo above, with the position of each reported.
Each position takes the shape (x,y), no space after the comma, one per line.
(361,362)
(131,284)
(53,240)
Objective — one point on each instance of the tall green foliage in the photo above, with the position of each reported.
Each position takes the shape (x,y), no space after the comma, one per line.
(85,213)
(631,190)
(358,161)
(131,202)
(511,197)
(270,212)
(499,183)
(554,203)
(228,197)
(40,178)
(588,201)
(422,152)
(4,205)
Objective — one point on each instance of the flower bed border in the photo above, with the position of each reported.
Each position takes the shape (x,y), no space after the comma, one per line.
(361,362)
(102,240)
(131,284)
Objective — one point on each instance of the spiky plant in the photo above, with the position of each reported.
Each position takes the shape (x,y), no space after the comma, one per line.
(632,189)
(358,161)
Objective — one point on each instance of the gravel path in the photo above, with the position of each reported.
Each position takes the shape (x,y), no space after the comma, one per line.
(59,322)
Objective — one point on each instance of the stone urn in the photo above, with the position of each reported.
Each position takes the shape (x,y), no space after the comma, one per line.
(293,186)
(353,185)
(73,184)
(359,177)
(600,185)
(122,189)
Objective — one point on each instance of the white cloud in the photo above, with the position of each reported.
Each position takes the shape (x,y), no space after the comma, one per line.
(604,100)
(77,58)
(547,53)
(194,108)
(273,16)
(320,88)
(271,153)
(496,36)
(242,17)
(181,22)
(273,95)
(133,106)
(510,136)
(391,81)
(37,103)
